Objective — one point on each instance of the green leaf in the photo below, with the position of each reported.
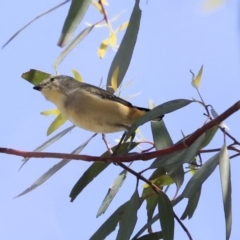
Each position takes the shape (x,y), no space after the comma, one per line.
(35,76)
(215,115)
(123,56)
(110,224)
(201,175)
(49,142)
(57,123)
(160,110)
(163,140)
(95,169)
(166,216)
(151,236)
(161,136)
(180,157)
(209,134)
(72,45)
(76,13)
(225,174)
(54,169)
(112,191)
(192,205)
(33,20)
(150,195)
(129,218)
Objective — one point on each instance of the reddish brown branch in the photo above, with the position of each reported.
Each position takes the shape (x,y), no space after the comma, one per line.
(131,157)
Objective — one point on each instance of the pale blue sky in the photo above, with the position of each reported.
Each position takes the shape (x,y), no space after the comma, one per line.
(174,37)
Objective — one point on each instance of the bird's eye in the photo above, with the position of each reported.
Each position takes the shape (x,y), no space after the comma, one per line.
(52,79)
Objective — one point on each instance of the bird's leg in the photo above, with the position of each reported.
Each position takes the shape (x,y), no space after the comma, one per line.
(107,143)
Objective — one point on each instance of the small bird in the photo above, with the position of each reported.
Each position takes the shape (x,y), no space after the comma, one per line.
(90,107)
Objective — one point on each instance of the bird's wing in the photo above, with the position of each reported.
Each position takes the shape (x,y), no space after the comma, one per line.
(101,93)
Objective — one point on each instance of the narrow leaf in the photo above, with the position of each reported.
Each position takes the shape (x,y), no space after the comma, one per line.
(215,115)
(129,218)
(192,205)
(123,56)
(225,174)
(57,123)
(72,45)
(163,140)
(110,224)
(158,111)
(209,134)
(95,169)
(166,216)
(54,169)
(180,157)
(112,191)
(76,13)
(49,142)
(201,175)
(149,195)
(37,17)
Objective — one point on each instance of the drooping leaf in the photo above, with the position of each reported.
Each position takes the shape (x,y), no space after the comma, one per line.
(157,112)
(95,169)
(192,205)
(72,45)
(124,54)
(112,191)
(110,224)
(129,218)
(163,140)
(225,174)
(178,158)
(201,175)
(35,76)
(215,115)
(37,17)
(54,169)
(209,134)
(76,13)
(57,123)
(49,142)
(149,195)
(166,216)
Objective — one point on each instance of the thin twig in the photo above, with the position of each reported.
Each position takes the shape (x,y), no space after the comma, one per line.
(183,226)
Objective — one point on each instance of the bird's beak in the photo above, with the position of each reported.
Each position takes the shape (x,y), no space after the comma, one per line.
(37,88)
